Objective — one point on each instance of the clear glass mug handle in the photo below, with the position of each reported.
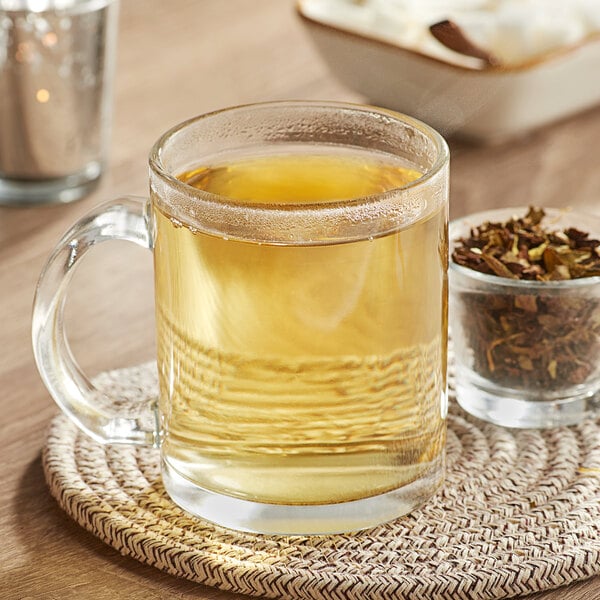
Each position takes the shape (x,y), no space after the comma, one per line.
(122,219)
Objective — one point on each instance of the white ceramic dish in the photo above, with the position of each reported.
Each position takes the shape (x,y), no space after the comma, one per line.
(485,104)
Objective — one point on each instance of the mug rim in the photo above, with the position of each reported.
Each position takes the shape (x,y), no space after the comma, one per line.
(158,168)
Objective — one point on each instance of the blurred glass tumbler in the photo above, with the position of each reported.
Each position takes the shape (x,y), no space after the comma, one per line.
(527,353)
(300,259)
(56,71)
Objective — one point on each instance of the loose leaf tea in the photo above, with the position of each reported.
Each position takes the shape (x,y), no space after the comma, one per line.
(548,340)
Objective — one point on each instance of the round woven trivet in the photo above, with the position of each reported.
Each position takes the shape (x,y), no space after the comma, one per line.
(519,513)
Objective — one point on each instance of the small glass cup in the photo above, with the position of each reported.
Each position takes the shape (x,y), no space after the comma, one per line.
(526,352)
(56,72)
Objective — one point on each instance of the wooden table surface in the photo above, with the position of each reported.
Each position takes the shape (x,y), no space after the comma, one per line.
(177,59)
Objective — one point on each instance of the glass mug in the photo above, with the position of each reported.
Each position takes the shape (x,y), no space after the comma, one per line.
(300,259)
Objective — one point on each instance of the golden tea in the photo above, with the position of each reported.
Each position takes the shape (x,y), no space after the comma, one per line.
(301,374)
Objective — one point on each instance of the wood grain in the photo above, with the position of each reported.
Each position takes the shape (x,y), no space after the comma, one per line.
(177,59)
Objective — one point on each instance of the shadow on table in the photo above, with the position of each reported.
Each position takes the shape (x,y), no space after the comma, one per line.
(56,559)
(18,222)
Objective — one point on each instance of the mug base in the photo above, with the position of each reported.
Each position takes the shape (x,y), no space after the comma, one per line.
(514,412)
(282,519)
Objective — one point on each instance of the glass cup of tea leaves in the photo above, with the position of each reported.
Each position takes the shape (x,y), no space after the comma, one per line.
(525,315)
(300,266)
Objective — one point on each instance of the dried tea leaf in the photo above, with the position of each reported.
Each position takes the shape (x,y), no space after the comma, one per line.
(528,303)
(551,259)
(498,267)
(560,273)
(535,254)
(535,215)
(525,363)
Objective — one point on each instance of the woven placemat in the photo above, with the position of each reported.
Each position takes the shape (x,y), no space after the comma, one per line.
(519,513)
